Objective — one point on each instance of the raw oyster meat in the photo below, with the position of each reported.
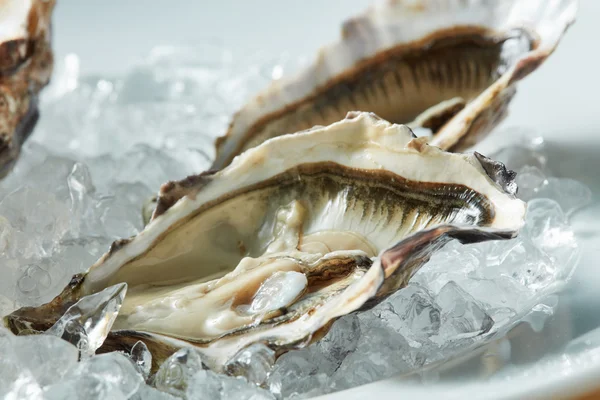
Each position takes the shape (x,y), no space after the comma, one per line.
(25,68)
(447,65)
(293,234)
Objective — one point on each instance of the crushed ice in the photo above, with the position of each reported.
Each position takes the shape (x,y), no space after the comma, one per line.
(101,148)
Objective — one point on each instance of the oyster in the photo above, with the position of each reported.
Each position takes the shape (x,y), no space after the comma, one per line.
(447,65)
(25,68)
(293,234)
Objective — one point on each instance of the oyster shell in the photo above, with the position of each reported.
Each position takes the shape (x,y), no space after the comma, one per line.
(448,65)
(294,233)
(25,68)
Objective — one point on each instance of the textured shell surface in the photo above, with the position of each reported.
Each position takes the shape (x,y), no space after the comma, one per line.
(295,233)
(447,65)
(25,67)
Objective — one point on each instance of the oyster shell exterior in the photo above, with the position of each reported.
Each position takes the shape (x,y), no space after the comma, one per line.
(293,234)
(447,65)
(25,67)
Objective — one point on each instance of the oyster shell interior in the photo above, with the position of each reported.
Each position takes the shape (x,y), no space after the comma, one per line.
(293,234)
(450,66)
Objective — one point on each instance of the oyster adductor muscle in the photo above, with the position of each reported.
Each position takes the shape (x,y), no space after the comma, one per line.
(295,233)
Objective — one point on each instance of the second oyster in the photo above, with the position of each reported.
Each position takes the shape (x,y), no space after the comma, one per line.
(449,66)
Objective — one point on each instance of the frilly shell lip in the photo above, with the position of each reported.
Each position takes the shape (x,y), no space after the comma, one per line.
(394,23)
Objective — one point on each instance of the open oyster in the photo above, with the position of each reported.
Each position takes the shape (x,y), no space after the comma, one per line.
(294,233)
(25,68)
(447,65)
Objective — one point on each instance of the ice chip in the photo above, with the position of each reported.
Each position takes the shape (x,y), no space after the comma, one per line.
(174,374)
(295,373)
(103,377)
(87,322)
(16,382)
(81,189)
(208,385)
(461,314)
(120,214)
(142,358)
(146,392)
(417,308)
(253,363)
(570,194)
(530,181)
(115,369)
(150,166)
(548,228)
(341,340)
(39,219)
(518,157)
(46,357)
(21,386)
(6,307)
(34,281)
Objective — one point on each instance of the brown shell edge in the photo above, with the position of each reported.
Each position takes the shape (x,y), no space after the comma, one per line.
(171,192)
(39,319)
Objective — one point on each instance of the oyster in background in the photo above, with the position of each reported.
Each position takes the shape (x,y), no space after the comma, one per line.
(25,68)
(447,65)
(293,234)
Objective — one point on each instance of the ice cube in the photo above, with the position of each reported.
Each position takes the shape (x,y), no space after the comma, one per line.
(462,315)
(20,385)
(207,384)
(121,212)
(142,358)
(341,340)
(517,157)
(530,181)
(28,363)
(39,220)
(87,322)
(81,189)
(103,377)
(175,373)
(253,363)
(48,358)
(295,372)
(570,194)
(146,392)
(417,308)
(6,306)
(453,262)
(34,281)
(380,352)
(549,231)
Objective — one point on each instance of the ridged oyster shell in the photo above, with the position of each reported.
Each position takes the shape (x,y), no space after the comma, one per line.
(293,234)
(447,65)
(25,68)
